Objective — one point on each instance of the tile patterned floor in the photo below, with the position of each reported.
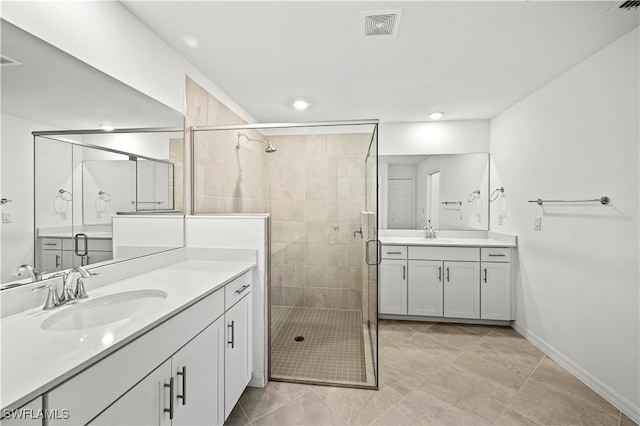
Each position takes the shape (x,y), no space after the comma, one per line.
(332,350)
(440,374)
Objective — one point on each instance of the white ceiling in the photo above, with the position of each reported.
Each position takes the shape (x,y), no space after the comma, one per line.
(56,89)
(471,60)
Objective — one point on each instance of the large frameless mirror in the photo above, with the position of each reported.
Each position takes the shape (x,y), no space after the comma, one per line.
(450,191)
(68,181)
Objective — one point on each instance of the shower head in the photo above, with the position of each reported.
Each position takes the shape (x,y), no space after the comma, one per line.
(270,148)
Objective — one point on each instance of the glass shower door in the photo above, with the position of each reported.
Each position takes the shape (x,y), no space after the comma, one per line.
(372,259)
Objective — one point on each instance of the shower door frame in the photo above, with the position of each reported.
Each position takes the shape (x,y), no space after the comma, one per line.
(191,190)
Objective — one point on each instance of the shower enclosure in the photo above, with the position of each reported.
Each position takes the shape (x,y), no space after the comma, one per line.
(318,183)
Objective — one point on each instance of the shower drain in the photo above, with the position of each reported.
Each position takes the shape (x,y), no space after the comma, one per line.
(299,339)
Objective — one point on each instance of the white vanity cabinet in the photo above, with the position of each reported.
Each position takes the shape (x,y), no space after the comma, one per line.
(455,282)
(461,290)
(185,390)
(495,283)
(238,344)
(393,280)
(425,288)
(57,254)
(181,372)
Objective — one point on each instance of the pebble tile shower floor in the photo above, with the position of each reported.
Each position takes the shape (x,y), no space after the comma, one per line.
(332,350)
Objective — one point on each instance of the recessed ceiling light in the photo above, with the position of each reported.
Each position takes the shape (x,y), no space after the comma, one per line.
(191,41)
(300,105)
(106,128)
(436,115)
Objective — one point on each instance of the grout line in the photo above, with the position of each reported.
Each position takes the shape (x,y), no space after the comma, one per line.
(506,405)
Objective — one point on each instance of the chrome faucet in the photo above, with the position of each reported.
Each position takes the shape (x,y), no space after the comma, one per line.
(429,232)
(31,271)
(68,293)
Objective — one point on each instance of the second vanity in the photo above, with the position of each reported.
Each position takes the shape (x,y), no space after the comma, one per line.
(446,279)
(168,346)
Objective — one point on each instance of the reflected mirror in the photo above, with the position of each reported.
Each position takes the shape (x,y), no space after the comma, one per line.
(68,182)
(450,191)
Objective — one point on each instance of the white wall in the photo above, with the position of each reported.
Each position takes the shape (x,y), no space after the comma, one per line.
(444,137)
(115,42)
(577,283)
(244,232)
(17,185)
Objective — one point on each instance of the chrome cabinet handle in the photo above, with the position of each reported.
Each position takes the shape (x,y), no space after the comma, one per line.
(439,273)
(497,255)
(394,252)
(448,274)
(404,272)
(50,244)
(231,326)
(243,288)
(485,275)
(183,373)
(170,409)
(57,260)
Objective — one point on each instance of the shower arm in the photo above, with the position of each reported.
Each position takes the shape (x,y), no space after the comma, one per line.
(248,140)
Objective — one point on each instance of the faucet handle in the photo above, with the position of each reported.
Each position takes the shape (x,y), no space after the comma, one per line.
(81,293)
(53,300)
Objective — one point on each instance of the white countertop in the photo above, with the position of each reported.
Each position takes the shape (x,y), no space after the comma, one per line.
(446,242)
(35,360)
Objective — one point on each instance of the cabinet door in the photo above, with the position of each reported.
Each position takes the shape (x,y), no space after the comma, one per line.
(393,287)
(495,291)
(51,260)
(144,404)
(425,288)
(238,352)
(462,289)
(198,371)
(69,259)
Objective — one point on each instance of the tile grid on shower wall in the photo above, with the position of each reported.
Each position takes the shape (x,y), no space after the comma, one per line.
(332,350)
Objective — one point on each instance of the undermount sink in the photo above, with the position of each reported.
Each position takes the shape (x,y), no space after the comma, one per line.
(102,310)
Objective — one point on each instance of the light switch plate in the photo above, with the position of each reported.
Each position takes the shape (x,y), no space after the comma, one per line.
(537,223)
(6,218)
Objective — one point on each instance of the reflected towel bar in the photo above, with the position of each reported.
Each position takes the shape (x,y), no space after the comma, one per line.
(451,202)
(602,200)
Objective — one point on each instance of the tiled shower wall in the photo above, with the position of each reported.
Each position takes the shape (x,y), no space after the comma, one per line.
(316,197)
(314,188)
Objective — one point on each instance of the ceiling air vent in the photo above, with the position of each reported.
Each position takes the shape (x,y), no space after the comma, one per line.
(628,5)
(381,23)
(6,61)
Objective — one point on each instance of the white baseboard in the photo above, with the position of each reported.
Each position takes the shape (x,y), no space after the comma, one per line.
(617,400)
(258,381)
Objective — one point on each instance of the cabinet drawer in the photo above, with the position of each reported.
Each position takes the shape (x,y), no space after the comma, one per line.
(497,254)
(237,289)
(394,252)
(461,254)
(51,244)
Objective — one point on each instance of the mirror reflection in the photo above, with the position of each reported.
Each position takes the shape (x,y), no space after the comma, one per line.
(449,191)
(76,182)
(78,188)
